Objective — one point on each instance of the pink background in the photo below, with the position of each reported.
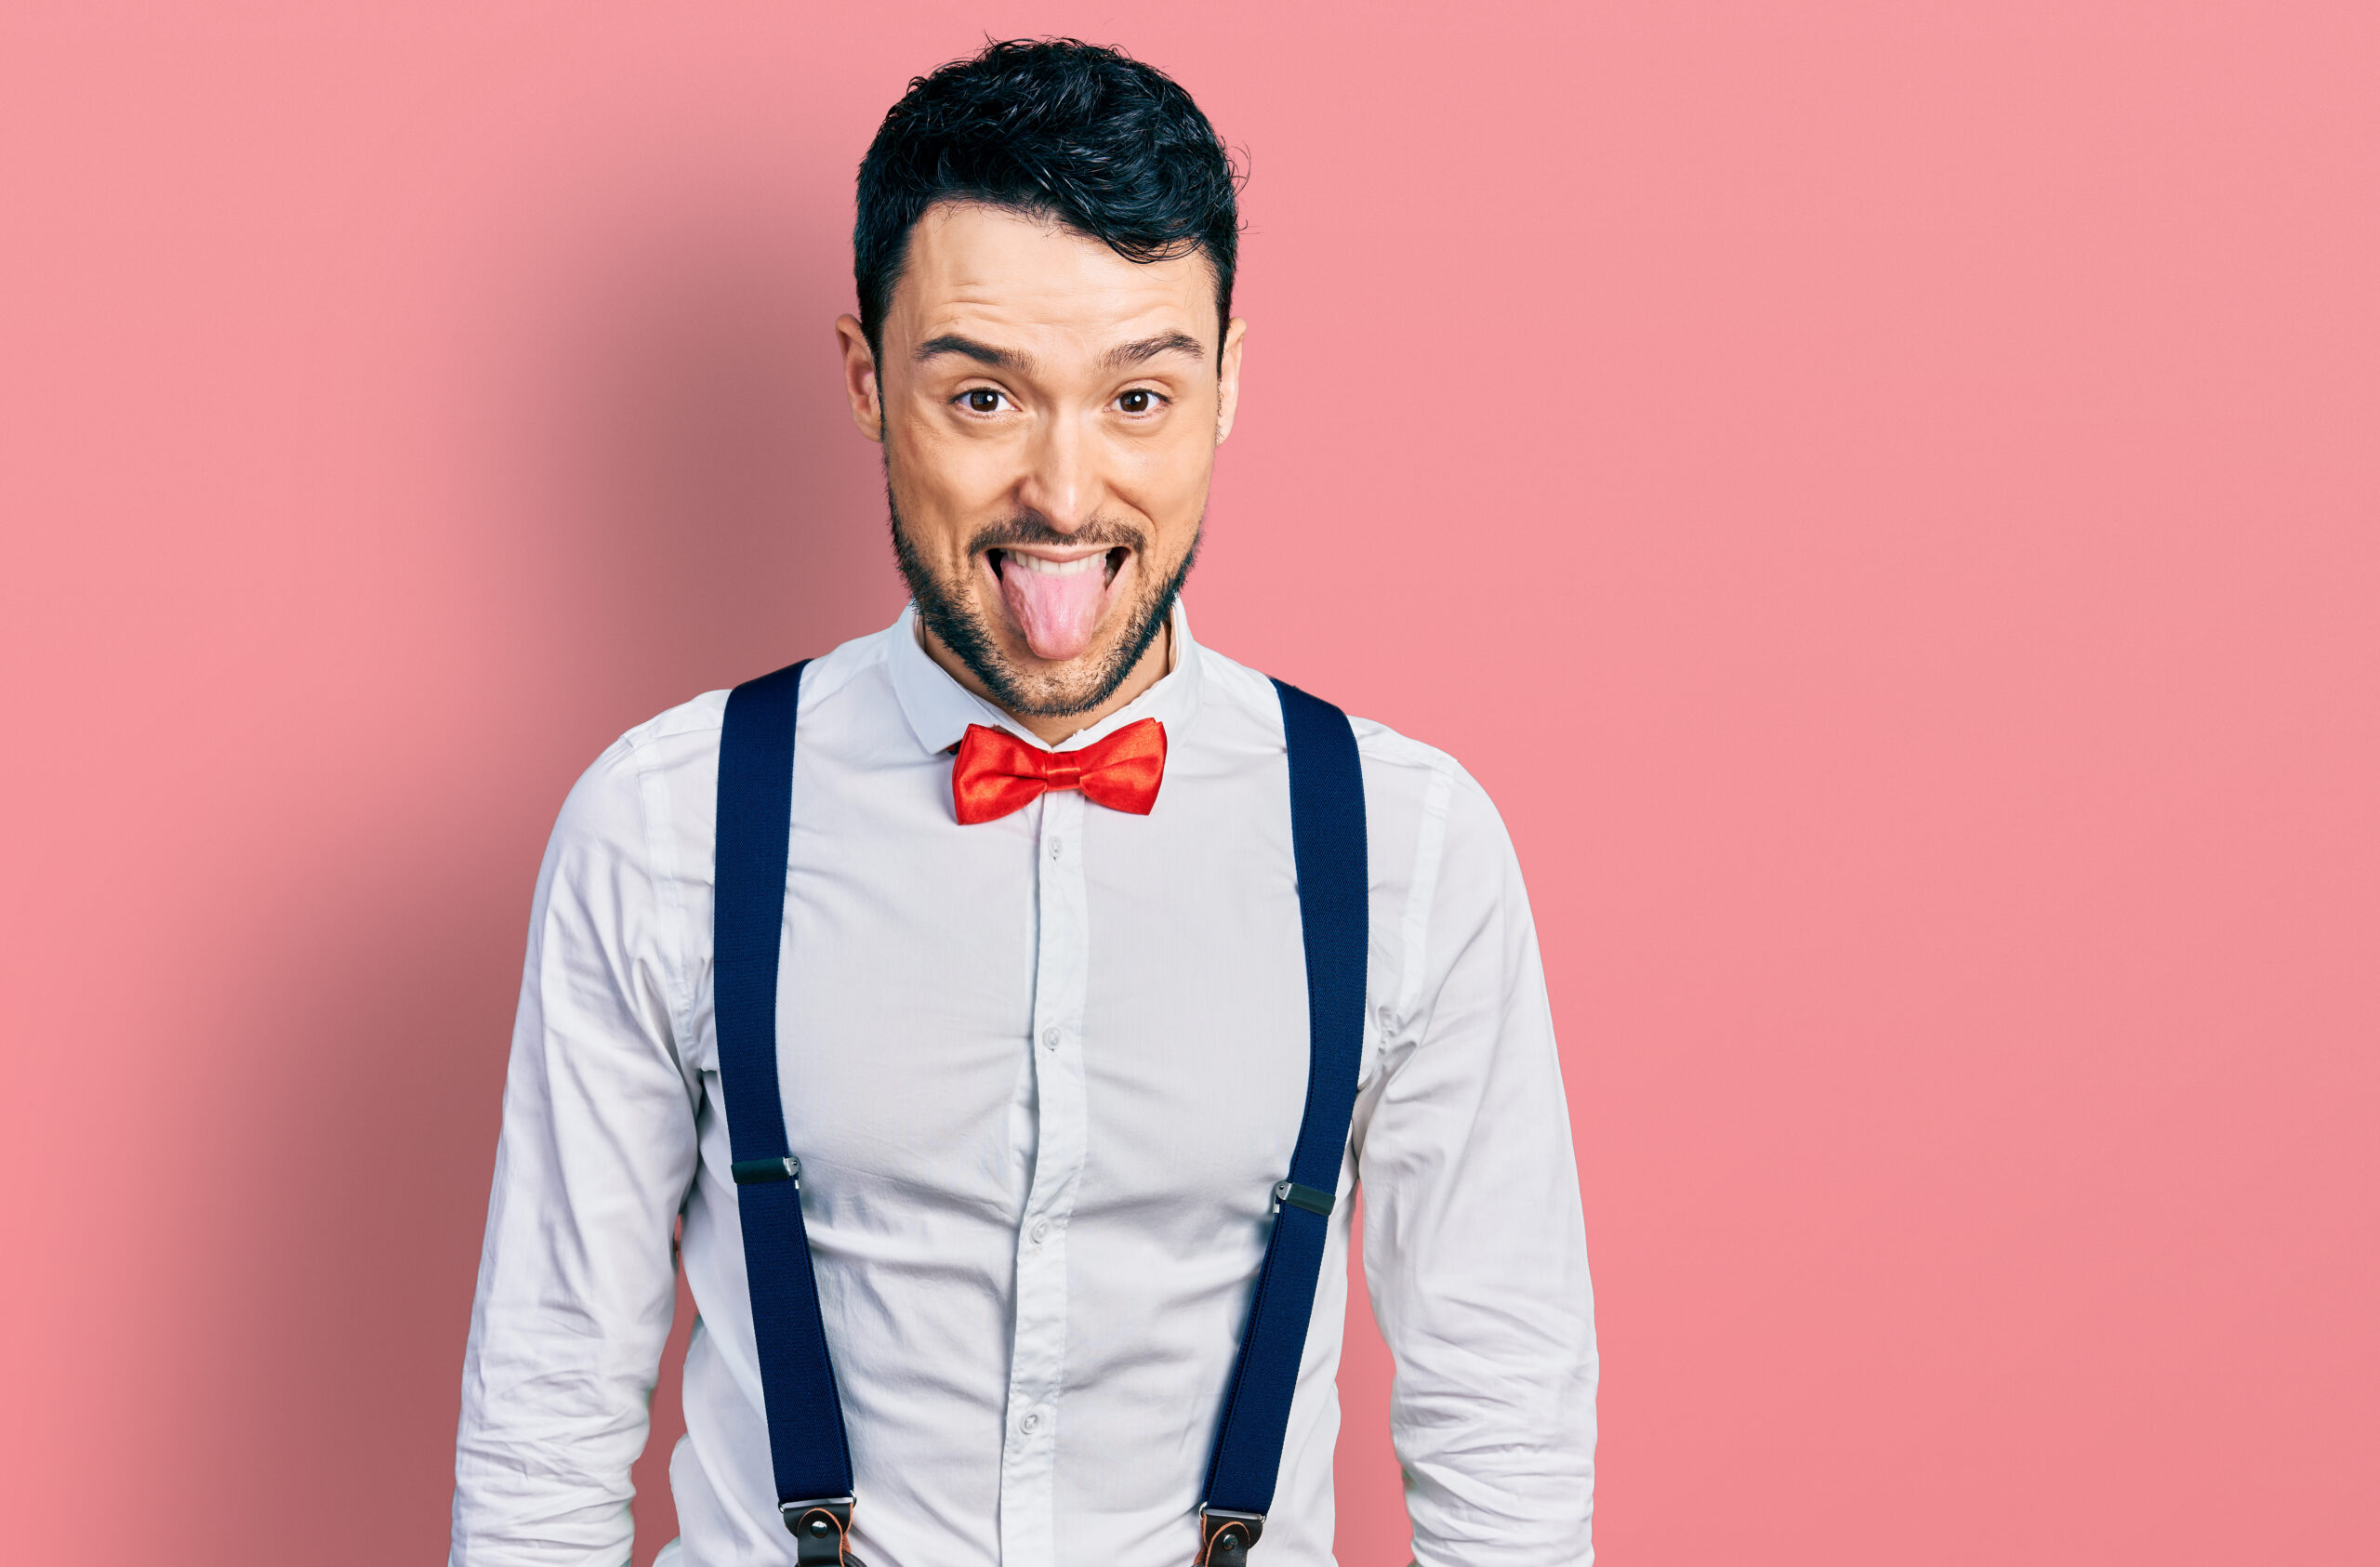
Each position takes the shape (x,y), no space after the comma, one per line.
(1884,496)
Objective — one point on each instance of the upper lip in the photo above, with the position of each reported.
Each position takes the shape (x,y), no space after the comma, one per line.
(1050,552)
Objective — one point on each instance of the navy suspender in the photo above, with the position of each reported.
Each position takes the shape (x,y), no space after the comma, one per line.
(1334,907)
(806,1447)
(805,1419)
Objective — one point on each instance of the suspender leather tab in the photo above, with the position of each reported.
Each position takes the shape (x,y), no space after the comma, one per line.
(820,1528)
(1224,1536)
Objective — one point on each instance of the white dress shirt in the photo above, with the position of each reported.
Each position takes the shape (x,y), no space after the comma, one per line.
(1042,1074)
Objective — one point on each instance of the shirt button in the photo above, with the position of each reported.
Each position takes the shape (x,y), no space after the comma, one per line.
(1040,1231)
(1057,848)
(1049,1038)
(1030,1424)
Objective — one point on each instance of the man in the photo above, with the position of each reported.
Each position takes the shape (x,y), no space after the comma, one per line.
(1041,1016)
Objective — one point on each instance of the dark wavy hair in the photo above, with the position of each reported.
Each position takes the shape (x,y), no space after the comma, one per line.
(1050,127)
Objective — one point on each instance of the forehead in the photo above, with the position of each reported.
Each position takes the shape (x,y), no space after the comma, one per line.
(989,273)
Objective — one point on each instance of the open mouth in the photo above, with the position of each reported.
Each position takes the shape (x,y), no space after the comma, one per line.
(1058,604)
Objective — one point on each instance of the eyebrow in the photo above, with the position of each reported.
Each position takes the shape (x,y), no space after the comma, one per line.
(1149,347)
(966,347)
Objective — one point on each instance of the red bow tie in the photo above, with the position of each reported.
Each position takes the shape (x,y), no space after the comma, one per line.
(998,772)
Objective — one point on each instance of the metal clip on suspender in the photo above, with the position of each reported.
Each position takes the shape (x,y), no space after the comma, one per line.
(1297,1196)
(807,1449)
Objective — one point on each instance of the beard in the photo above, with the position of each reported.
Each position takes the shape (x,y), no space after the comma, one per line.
(1076,685)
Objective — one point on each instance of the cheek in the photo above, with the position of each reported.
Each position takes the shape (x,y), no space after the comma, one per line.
(1166,480)
(947,489)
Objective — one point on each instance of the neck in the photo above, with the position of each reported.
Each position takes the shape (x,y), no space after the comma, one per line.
(1154,665)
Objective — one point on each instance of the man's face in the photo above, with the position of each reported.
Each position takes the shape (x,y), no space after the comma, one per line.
(1049,413)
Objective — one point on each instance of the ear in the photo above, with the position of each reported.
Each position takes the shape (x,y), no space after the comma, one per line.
(1227,378)
(859,377)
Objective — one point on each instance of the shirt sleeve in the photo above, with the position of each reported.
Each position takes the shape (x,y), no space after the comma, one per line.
(577,1280)
(1475,1249)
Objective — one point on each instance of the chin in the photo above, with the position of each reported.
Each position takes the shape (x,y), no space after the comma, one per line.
(969,613)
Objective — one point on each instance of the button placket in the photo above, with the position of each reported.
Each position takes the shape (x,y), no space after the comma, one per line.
(1036,1354)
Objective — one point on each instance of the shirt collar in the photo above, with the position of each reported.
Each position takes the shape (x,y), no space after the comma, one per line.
(939,708)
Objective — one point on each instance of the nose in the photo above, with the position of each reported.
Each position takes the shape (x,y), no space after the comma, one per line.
(1061,479)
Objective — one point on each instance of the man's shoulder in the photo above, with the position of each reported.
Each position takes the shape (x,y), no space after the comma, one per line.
(1395,765)
(692,726)
(1447,805)
(695,720)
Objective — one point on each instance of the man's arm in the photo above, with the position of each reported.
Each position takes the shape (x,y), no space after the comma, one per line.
(576,1282)
(1474,1246)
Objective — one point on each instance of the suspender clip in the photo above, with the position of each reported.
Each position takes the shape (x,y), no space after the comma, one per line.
(1224,1536)
(1311,1198)
(819,1527)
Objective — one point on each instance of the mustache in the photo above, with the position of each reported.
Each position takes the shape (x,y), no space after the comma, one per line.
(1031,527)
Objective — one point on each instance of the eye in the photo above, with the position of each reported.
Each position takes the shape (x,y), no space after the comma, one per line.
(983,399)
(1140,399)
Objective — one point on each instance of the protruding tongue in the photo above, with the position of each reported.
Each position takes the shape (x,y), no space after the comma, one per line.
(1057,612)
